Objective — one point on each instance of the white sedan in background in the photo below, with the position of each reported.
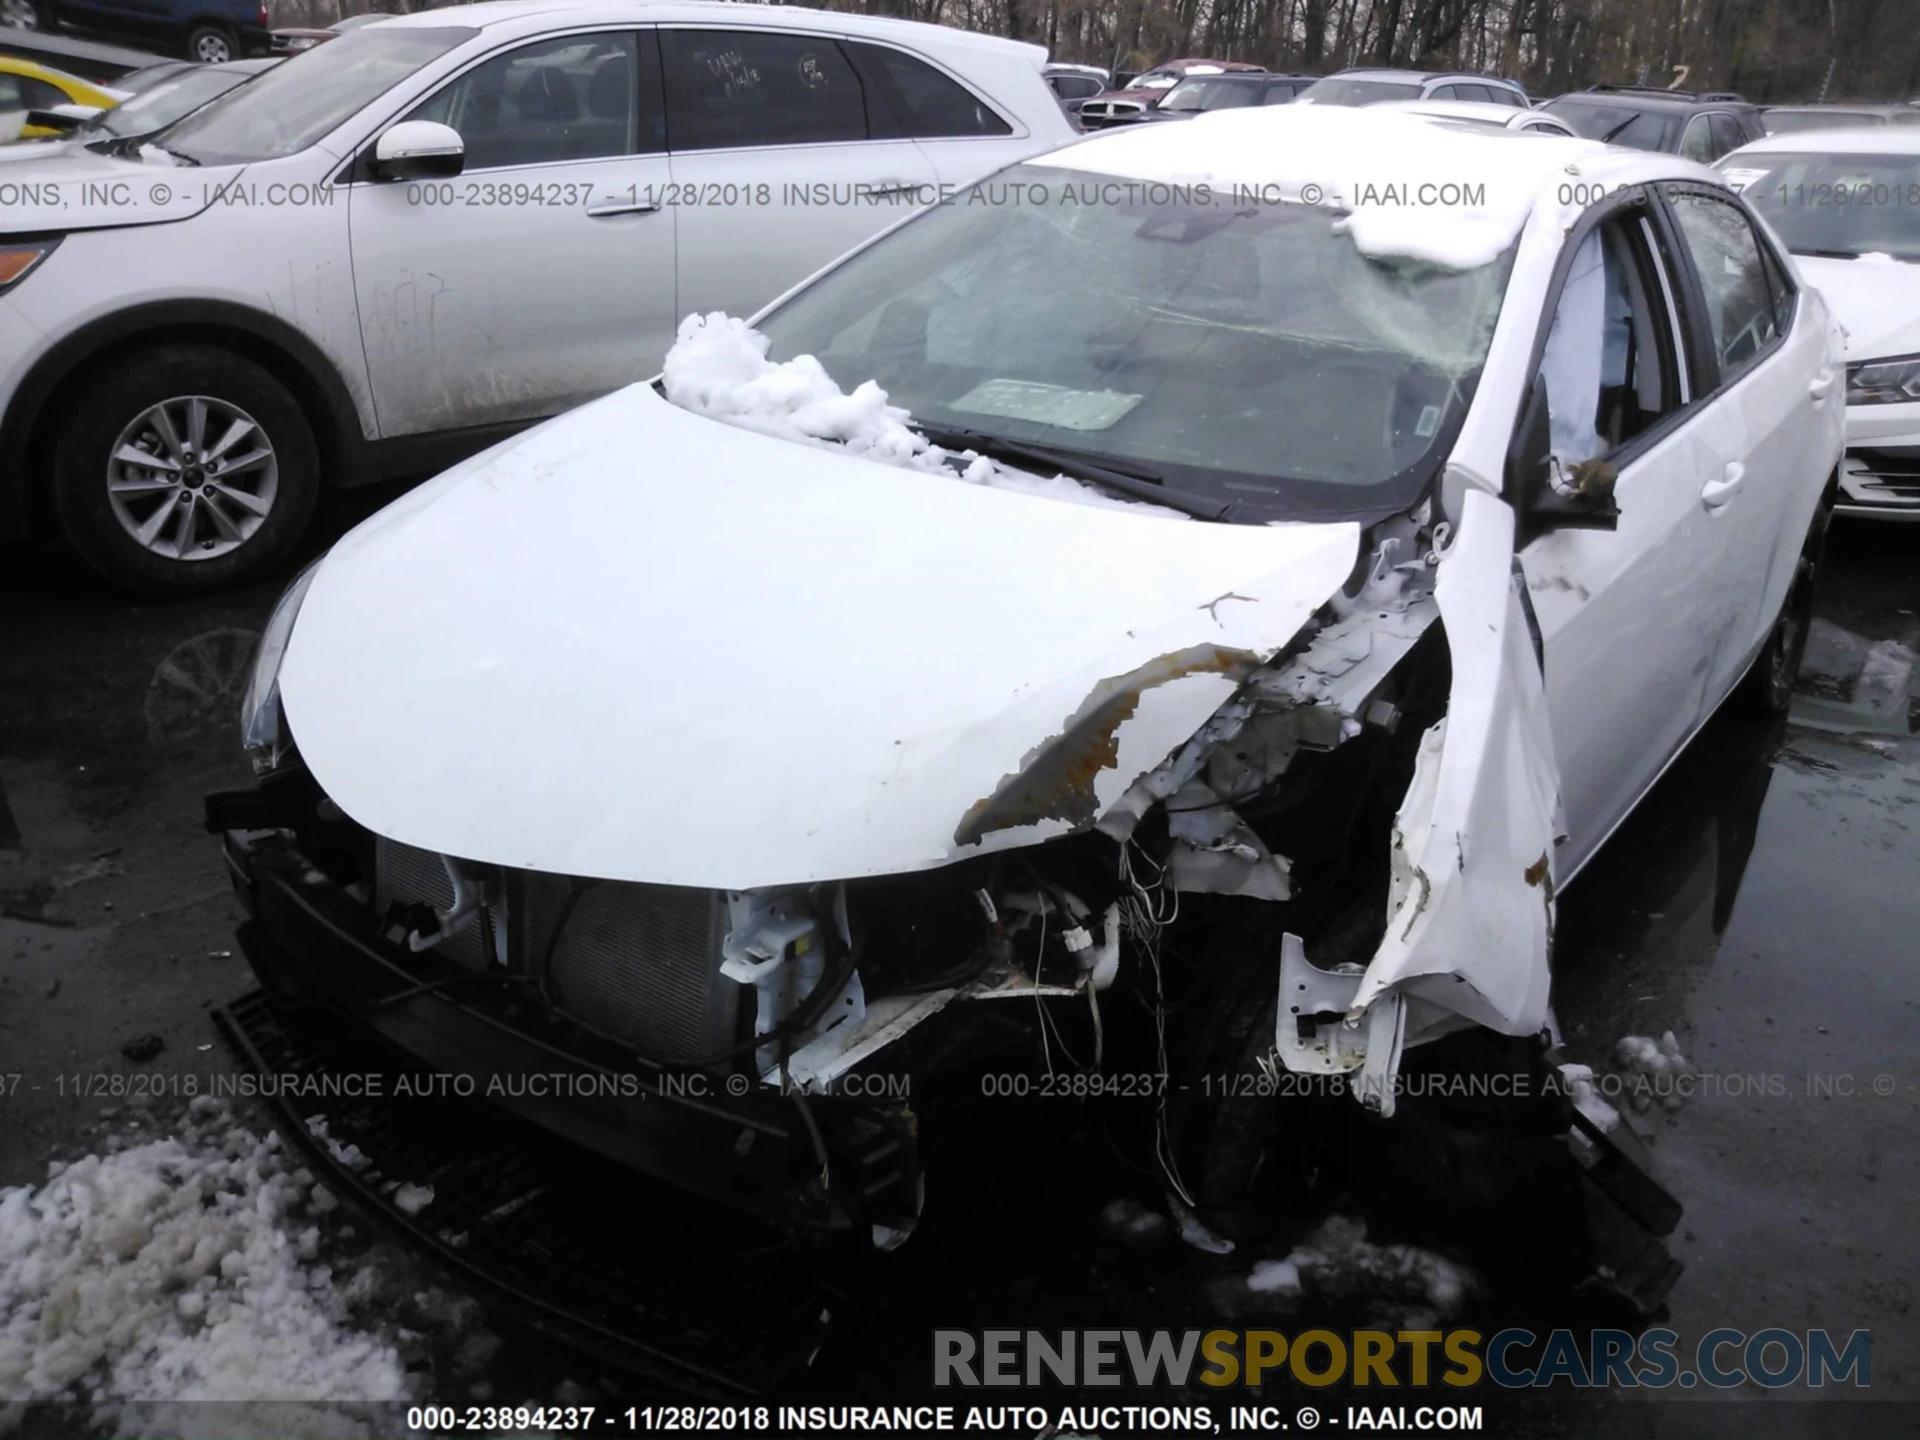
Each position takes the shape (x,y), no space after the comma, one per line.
(1302,534)
(1847,204)
(405,243)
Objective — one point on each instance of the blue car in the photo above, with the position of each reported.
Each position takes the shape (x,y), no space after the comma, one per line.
(210,31)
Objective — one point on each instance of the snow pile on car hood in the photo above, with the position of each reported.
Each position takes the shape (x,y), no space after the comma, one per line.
(718,368)
(1412,190)
(178,1269)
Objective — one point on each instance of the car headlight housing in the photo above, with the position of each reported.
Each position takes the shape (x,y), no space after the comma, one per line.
(263,725)
(1884,382)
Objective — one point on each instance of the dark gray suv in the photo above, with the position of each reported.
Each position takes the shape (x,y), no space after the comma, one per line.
(1701,125)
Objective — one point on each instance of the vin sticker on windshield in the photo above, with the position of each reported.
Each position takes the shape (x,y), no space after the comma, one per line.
(1040,404)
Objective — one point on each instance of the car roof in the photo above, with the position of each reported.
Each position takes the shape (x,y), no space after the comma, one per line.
(1422,76)
(1842,140)
(1482,111)
(1245,77)
(1840,107)
(1634,97)
(488,13)
(1482,153)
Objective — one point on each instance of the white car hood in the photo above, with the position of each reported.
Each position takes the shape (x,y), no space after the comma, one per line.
(1877,301)
(638,644)
(65,186)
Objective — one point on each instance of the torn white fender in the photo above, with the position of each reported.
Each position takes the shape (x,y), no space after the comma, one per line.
(1470,911)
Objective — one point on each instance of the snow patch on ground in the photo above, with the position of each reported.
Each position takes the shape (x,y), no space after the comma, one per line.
(412,1199)
(178,1269)
(1657,1073)
(718,368)
(1415,1286)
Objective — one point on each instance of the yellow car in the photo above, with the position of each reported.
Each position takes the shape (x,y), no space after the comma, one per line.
(26,86)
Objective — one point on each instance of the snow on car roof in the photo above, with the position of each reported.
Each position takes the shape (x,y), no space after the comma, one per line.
(1414,190)
(1847,140)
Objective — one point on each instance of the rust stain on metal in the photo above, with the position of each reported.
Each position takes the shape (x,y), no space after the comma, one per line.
(1055,778)
(1540,873)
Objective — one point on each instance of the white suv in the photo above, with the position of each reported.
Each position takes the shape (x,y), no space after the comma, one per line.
(407,243)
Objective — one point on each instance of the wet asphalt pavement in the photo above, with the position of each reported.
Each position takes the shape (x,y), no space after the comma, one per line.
(1761,905)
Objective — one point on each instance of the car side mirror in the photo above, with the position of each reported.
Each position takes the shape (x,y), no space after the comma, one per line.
(418,150)
(66,121)
(1582,500)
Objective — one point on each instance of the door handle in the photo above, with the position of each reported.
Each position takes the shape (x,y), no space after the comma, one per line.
(1820,385)
(623,207)
(1716,493)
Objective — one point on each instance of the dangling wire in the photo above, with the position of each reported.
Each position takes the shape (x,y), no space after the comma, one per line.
(1147,910)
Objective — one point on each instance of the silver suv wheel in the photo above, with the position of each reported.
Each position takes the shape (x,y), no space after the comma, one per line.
(20,14)
(192,478)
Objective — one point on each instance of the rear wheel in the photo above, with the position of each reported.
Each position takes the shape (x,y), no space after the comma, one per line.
(211,45)
(27,15)
(1767,690)
(184,469)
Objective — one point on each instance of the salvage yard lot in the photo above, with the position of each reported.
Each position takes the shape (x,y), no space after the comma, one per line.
(1760,906)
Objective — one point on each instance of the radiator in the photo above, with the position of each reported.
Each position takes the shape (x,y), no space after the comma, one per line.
(407,876)
(638,962)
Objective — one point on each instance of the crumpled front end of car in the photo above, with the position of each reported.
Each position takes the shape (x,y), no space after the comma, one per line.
(747,865)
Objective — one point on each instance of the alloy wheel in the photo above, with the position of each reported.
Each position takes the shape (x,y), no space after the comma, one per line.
(20,14)
(212,50)
(192,478)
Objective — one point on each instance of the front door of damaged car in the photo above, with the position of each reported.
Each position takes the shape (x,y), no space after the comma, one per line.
(1630,618)
(543,274)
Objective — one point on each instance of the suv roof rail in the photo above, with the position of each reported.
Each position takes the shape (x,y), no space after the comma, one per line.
(1612,88)
(1724,96)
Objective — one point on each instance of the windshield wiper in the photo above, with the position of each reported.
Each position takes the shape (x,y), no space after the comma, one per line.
(1076,465)
(1830,254)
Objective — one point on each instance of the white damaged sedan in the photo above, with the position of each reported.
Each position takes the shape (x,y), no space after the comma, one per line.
(1166,623)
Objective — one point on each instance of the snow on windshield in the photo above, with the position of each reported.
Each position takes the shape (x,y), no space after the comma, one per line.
(1414,190)
(718,368)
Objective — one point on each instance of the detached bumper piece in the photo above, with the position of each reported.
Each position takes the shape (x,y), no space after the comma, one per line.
(559,1240)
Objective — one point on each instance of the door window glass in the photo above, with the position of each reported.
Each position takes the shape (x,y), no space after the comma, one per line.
(570,98)
(1697,142)
(23,92)
(732,88)
(924,104)
(1726,134)
(1726,254)
(1610,361)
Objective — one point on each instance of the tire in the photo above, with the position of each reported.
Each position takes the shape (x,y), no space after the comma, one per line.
(250,505)
(33,15)
(212,45)
(1766,692)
